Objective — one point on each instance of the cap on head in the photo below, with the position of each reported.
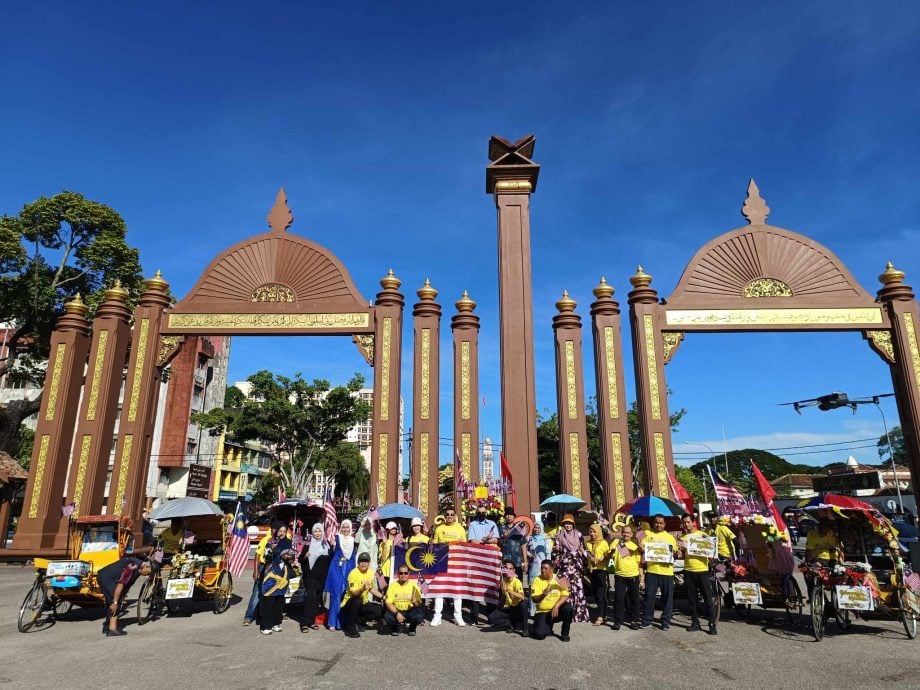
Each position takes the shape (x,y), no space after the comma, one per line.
(364,558)
(416,521)
(392,525)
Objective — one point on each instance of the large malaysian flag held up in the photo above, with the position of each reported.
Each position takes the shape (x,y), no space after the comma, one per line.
(466,570)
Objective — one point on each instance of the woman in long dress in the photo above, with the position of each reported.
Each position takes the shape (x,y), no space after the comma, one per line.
(570,558)
(343,562)
(366,542)
(539,549)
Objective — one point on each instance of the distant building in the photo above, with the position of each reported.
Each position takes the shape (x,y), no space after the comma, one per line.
(239,470)
(488,463)
(794,486)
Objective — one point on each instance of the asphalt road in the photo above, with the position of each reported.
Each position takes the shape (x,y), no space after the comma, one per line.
(199,649)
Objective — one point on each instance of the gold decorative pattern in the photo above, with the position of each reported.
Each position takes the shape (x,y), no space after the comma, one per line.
(273,292)
(59,353)
(616,450)
(81,473)
(465,452)
(383,448)
(651,362)
(613,401)
(204,322)
(571,402)
(143,333)
(864,316)
(365,343)
(576,464)
(423,473)
(881,343)
(661,466)
(513,186)
(97,376)
(385,369)
(167,344)
(465,379)
(669,344)
(126,447)
(767,287)
(912,345)
(39,475)
(426,374)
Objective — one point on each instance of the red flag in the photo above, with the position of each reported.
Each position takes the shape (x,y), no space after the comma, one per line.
(767,493)
(681,495)
(506,472)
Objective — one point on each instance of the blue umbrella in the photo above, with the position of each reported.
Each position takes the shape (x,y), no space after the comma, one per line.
(562,503)
(398,511)
(652,505)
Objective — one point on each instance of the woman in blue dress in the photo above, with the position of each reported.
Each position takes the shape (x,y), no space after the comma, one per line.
(343,562)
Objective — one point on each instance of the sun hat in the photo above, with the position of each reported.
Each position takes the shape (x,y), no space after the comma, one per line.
(392,525)
(568,517)
(416,521)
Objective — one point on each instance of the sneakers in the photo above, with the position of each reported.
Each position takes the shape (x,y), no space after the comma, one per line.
(411,632)
(118,632)
(394,632)
(247,622)
(665,626)
(565,638)
(633,626)
(694,627)
(436,620)
(266,632)
(459,622)
(616,626)
(276,628)
(352,633)
(712,629)
(645,625)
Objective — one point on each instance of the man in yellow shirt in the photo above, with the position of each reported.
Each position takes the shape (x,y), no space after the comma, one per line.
(403,603)
(822,544)
(696,578)
(627,578)
(551,595)
(510,611)
(446,533)
(356,604)
(659,574)
(725,538)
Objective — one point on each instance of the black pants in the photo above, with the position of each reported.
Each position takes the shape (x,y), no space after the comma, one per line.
(415,616)
(512,617)
(698,586)
(354,611)
(109,598)
(626,588)
(270,612)
(653,583)
(313,590)
(599,586)
(474,611)
(543,622)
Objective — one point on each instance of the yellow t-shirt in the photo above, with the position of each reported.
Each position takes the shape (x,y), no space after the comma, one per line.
(403,594)
(553,593)
(626,566)
(823,547)
(600,551)
(696,564)
(725,537)
(384,552)
(418,539)
(660,568)
(170,542)
(551,532)
(512,585)
(445,534)
(357,580)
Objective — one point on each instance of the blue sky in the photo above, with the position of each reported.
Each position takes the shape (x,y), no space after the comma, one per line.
(649,118)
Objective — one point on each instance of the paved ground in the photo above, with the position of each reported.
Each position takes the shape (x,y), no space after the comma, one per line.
(200,649)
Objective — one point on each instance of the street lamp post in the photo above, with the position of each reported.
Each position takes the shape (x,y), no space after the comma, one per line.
(894,468)
(712,456)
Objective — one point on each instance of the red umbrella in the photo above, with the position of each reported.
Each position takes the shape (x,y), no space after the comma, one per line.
(837,501)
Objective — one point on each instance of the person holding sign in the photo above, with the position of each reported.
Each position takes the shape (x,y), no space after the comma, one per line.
(551,595)
(698,548)
(627,578)
(659,547)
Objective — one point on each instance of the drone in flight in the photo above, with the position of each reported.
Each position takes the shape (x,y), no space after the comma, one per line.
(836,400)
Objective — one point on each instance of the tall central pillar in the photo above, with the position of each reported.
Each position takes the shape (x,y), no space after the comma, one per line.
(465,327)
(388,315)
(511,178)
(426,401)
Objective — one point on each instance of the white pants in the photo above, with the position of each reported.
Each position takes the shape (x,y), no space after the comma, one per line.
(458,607)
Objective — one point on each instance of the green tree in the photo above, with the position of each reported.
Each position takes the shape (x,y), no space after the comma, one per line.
(26,439)
(344,463)
(51,250)
(897,443)
(692,482)
(740,473)
(300,418)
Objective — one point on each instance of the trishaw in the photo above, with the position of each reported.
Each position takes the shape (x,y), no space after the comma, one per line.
(870,575)
(94,542)
(198,572)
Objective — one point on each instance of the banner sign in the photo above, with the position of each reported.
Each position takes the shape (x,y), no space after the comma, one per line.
(180,588)
(199,481)
(747,593)
(855,598)
(700,545)
(293,586)
(658,552)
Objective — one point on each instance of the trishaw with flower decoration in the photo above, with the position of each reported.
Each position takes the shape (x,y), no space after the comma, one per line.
(869,574)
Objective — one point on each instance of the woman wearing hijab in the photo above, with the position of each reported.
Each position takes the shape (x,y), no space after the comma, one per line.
(341,563)
(598,558)
(366,542)
(539,549)
(277,573)
(314,567)
(570,558)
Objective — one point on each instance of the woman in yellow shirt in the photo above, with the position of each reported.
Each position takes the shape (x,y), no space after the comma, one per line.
(598,556)
(628,577)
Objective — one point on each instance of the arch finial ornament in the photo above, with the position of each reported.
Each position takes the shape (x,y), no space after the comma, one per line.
(755,209)
(280,217)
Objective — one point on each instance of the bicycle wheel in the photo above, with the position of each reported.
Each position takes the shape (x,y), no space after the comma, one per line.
(145,608)
(842,616)
(223,590)
(908,605)
(32,606)
(817,612)
(717,595)
(794,601)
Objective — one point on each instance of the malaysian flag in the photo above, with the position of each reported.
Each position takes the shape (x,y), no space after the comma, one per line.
(459,569)
(912,580)
(238,550)
(330,521)
(729,499)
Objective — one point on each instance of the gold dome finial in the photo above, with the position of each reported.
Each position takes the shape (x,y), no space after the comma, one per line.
(465,304)
(426,292)
(641,279)
(157,284)
(116,293)
(76,306)
(604,290)
(390,281)
(891,276)
(566,303)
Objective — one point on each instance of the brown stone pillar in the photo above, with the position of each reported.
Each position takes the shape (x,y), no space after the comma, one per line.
(511,178)
(651,389)
(465,328)
(425,401)
(385,468)
(616,465)
(570,392)
(898,300)
(93,440)
(42,524)
(127,490)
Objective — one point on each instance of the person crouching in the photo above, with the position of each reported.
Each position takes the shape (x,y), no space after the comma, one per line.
(551,595)
(356,604)
(403,604)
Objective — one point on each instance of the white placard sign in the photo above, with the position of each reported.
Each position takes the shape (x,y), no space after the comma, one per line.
(855,598)
(747,593)
(180,588)
(658,552)
(701,545)
(293,586)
